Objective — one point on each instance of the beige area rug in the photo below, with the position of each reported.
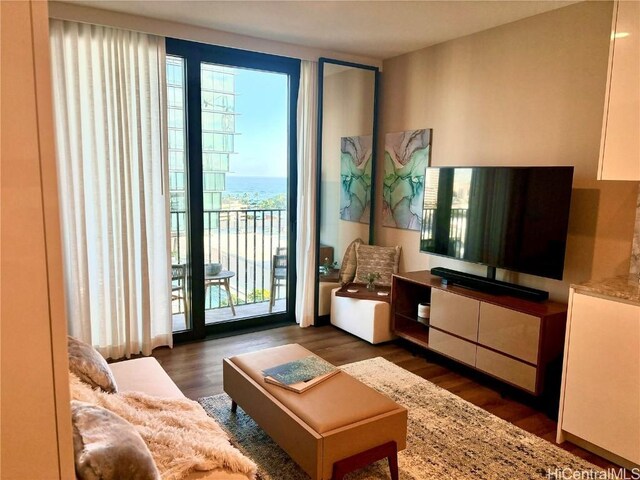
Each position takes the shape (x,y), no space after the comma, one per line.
(448,438)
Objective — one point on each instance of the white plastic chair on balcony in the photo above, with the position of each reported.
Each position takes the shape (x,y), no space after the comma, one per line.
(278,274)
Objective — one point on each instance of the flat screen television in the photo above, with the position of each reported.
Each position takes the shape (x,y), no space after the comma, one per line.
(514,218)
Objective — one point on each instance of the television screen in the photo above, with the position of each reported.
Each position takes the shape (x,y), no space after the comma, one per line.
(514,218)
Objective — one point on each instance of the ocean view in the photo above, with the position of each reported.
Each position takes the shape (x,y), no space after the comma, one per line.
(254,190)
(263,185)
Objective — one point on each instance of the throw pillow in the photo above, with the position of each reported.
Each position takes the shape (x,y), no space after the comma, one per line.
(107,447)
(90,366)
(374,259)
(349,263)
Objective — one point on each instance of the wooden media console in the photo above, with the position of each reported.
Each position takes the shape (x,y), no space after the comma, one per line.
(508,338)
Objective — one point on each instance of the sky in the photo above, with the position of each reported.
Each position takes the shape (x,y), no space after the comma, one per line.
(261,101)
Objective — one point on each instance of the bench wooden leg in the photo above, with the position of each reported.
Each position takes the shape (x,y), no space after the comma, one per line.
(234,406)
(346,465)
(393,463)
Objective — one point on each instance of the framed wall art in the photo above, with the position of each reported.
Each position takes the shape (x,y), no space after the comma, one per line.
(355,178)
(406,157)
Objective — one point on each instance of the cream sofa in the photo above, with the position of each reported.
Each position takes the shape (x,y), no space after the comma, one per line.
(147,376)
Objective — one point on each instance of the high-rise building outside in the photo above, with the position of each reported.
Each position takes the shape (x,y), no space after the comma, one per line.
(218,130)
(176,133)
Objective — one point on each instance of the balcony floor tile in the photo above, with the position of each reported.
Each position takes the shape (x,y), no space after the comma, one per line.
(219,315)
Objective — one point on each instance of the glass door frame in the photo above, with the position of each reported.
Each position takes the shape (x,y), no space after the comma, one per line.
(194,54)
(322,61)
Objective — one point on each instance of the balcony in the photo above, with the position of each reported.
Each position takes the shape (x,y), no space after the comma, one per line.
(455,235)
(244,242)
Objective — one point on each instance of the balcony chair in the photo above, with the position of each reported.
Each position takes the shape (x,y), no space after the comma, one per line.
(178,281)
(278,274)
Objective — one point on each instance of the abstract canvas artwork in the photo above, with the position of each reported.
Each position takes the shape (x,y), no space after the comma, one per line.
(355,178)
(406,156)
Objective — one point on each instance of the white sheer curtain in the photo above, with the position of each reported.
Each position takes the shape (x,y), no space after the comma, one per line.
(306,231)
(109,90)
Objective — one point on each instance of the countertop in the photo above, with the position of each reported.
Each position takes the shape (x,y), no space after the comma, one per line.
(625,287)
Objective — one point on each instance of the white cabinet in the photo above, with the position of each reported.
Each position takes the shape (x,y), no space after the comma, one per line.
(620,140)
(600,401)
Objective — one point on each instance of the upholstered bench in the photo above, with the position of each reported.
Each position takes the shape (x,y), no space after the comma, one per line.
(369,320)
(330,429)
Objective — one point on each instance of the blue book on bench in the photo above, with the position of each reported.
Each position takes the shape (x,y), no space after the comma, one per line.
(302,370)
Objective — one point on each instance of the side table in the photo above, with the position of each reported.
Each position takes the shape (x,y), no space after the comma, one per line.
(221,279)
(380,294)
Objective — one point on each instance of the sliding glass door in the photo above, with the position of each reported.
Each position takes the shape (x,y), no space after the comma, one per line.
(231,134)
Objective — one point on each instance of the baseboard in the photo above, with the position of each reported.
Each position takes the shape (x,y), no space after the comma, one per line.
(601,452)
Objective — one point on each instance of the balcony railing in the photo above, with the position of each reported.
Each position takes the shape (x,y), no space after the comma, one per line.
(244,242)
(457,230)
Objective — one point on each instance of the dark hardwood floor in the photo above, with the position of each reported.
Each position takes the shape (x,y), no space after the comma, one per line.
(197,370)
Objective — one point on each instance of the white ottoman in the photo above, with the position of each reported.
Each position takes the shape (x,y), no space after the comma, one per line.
(367,319)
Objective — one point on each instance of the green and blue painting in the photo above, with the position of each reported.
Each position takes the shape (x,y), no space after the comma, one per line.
(406,156)
(355,178)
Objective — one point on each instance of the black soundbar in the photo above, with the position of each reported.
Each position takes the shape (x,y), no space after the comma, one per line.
(489,285)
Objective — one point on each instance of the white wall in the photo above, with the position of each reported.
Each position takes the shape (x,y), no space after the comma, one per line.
(347,112)
(35,419)
(527,93)
(78,13)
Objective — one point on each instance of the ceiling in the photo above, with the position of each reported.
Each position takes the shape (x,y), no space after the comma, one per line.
(376,29)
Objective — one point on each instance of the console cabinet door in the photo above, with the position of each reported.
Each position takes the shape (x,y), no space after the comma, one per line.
(506,368)
(508,331)
(602,375)
(455,314)
(453,347)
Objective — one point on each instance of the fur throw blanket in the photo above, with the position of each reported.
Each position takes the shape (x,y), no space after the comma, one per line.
(180,435)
